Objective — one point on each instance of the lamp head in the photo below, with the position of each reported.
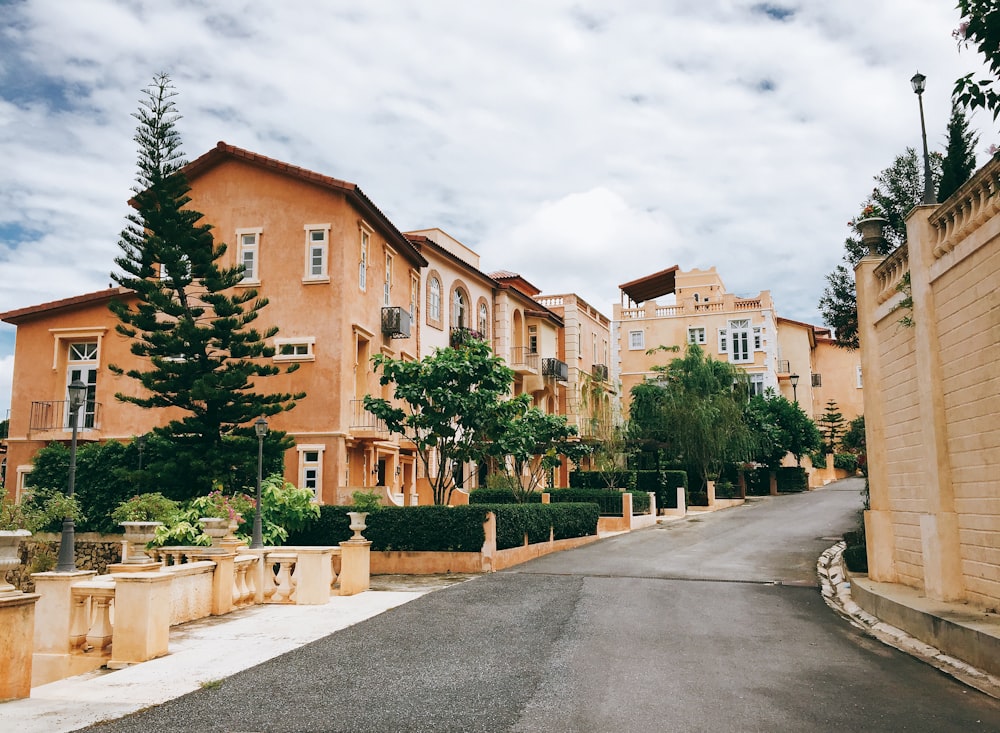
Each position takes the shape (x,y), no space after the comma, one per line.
(77,394)
(919,83)
(260,427)
(794,379)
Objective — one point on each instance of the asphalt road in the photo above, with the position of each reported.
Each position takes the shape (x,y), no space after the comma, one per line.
(712,623)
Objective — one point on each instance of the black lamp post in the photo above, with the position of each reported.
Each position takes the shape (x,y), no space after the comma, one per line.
(67,544)
(794,379)
(919,83)
(260,428)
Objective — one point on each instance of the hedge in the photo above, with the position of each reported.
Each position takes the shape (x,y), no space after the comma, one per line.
(792,479)
(609,500)
(451,529)
(427,528)
(599,480)
(663,483)
(846,462)
(501,496)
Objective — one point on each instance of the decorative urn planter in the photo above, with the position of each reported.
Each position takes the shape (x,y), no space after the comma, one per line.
(137,534)
(9,559)
(215,527)
(358,525)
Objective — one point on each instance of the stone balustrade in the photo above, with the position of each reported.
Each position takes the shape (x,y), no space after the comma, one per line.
(86,621)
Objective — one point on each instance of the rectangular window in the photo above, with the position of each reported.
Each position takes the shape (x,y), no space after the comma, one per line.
(758,340)
(414,294)
(317,247)
(817,380)
(696,335)
(723,341)
(757,385)
(636,340)
(533,339)
(294,349)
(363,264)
(311,468)
(248,254)
(860,383)
(387,285)
(739,341)
(81,365)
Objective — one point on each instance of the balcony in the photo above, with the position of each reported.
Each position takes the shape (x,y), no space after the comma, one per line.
(396,322)
(600,372)
(783,366)
(53,415)
(555,369)
(364,423)
(523,361)
(460,335)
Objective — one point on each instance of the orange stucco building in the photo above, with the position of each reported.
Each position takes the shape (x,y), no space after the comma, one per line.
(343,285)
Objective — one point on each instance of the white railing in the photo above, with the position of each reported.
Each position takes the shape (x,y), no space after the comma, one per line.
(91,623)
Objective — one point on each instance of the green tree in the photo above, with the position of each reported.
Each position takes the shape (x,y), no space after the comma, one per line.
(783,427)
(694,410)
(897,190)
(193,332)
(960,158)
(4,427)
(980,27)
(448,403)
(831,424)
(526,443)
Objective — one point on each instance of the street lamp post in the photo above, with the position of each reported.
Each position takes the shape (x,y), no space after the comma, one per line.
(260,428)
(794,379)
(67,544)
(919,83)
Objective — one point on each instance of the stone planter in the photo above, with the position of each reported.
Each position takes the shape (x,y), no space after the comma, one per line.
(358,525)
(215,527)
(137,534)
(9,559)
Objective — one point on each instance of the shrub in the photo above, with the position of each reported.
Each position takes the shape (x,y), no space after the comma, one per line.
(792,479)
(855,538)
(599,480)
(609,501)
(154,507)
(846,462)
(856,559)
(500,496)
(538,521)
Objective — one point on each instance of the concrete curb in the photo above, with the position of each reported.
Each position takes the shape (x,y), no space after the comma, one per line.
(836,589)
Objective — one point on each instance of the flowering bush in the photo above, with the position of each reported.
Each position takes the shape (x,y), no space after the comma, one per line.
(217,504)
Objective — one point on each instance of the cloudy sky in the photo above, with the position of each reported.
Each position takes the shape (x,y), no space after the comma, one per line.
(582,143)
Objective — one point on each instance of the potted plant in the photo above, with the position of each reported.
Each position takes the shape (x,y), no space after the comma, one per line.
(140,516)
(221,515)
(365,503)
(18,520)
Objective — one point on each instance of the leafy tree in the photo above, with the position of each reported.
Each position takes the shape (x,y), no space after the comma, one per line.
(694,410)
(192,330)
(980,27)
(448,406)
(526,443)
(960,158)
(783,428)
(853,439)
(832,425)
(898,189)
(4,427)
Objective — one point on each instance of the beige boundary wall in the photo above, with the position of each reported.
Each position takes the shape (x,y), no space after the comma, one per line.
(932,398)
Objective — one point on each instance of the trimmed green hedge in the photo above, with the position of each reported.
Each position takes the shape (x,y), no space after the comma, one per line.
(500,496)
(609,500)
(452,529)
(427,528)
(792,479)
(663,483)
(598,480)
(845,462)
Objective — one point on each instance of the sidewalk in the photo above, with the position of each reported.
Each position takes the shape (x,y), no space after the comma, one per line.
(203,652)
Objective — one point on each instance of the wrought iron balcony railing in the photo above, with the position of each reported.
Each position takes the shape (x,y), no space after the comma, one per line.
(600,372)
(396,322)
(54,415)
(556,369)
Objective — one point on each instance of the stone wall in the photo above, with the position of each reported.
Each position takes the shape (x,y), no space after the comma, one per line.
(929,320)
(41,551)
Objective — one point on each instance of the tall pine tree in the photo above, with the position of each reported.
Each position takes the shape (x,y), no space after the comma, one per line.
(193,332)
(960,158)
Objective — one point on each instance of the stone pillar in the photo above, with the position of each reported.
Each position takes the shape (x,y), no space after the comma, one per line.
(142,618)
(355,566)
(546,497)
(710,488)
(627,509)
(489,542)
(222,578)
(772,477)
(879,534)
(54,610)
(17,630)
(314,575)
(682,500)
(939,537)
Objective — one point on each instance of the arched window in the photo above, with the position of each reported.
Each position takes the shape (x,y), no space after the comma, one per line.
(460,311)
(483,325)
(435,304)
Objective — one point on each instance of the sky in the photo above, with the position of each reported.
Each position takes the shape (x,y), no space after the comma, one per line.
(580,143)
